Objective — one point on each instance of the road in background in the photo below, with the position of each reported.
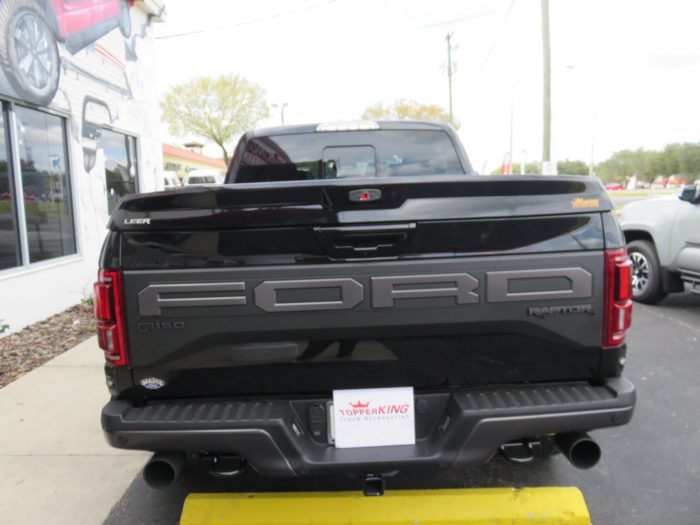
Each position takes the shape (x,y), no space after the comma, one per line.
(650,468)
(622,197)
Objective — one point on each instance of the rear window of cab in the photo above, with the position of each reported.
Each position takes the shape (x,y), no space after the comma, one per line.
(350,154)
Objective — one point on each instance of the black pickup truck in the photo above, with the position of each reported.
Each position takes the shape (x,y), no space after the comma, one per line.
(356,300)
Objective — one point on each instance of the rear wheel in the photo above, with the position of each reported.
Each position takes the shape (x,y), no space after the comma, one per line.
(28,51)
(646,275)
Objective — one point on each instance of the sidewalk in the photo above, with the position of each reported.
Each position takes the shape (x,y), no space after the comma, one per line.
(55,466)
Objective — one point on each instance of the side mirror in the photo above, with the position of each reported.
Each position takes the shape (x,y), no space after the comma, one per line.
(689,193)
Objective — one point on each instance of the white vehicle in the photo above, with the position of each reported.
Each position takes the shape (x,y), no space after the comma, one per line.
(170,180)
(663,241)
(203,178)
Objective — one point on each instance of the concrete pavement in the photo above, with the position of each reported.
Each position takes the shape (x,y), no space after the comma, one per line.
(55,466)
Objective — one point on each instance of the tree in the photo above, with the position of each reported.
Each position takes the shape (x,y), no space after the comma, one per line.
(407,109)
(689,154)
(572,167)
(214,108)
(675,159)
(625,164)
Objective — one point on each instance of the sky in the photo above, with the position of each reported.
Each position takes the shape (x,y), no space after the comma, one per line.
(625,73)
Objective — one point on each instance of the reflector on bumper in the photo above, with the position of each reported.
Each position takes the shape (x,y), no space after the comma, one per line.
(541,506)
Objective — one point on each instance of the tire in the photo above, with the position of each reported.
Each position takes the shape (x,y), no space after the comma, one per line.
(646,276)
(30,61)
(124,18)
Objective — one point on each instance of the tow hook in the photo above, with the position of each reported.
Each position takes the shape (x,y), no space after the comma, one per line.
(223,465)
(523,451)
(373,485)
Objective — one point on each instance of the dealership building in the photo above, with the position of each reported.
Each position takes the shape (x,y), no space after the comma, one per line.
(79,128)
(182,160)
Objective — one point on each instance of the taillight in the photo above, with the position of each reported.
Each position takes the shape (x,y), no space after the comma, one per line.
(111,332)
(618,296)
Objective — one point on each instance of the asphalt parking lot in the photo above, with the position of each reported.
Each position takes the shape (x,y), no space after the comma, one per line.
(650,471)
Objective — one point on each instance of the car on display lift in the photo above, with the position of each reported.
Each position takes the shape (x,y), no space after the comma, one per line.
(663,241)
(356,300)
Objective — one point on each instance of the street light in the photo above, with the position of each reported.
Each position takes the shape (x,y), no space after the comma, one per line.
(281,106)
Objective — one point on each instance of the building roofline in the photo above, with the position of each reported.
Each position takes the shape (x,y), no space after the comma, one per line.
(175,151)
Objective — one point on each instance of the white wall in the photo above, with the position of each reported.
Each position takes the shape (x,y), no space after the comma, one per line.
(127,87)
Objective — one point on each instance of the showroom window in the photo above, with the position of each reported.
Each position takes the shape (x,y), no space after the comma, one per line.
(36,212)
(121,168)
(9,239)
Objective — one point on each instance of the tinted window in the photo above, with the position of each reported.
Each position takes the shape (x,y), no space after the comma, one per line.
(349,162)
(121,168)
(9,246)
(330,155)
(46,185)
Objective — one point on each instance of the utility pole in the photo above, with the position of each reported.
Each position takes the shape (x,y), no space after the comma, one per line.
(448,38)
(281,106)
(547,86)
(591,169)
(512,103)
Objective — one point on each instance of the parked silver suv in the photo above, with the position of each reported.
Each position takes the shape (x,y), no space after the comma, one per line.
(663,241)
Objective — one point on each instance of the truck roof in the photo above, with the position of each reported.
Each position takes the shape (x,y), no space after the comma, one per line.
(351,125)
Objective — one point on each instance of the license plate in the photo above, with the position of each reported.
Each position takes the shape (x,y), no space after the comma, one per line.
(373,417)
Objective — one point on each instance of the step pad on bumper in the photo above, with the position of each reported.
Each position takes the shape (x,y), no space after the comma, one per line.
(463,426)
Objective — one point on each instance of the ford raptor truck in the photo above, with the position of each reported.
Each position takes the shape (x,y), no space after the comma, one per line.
(355,299)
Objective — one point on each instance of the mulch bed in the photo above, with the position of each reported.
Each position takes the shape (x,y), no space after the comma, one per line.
(34,345)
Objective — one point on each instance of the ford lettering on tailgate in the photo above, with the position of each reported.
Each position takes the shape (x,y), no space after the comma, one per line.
(381,292)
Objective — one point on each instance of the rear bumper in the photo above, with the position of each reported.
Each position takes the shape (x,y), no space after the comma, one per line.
(459,428)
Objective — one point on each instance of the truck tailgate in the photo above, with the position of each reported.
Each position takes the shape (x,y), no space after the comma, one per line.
(268,289)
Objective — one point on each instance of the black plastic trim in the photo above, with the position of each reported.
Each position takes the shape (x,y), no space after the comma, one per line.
(327,202)
(463,428)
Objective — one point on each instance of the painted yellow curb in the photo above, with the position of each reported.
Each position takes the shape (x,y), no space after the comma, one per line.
(531,506)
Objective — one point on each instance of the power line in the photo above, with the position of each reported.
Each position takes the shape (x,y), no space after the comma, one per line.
(461,19)
(249,22)
(495,41)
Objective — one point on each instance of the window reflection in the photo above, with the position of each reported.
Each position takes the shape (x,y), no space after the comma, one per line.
(306,156)
(121,169)
(46,185)
(9,245)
